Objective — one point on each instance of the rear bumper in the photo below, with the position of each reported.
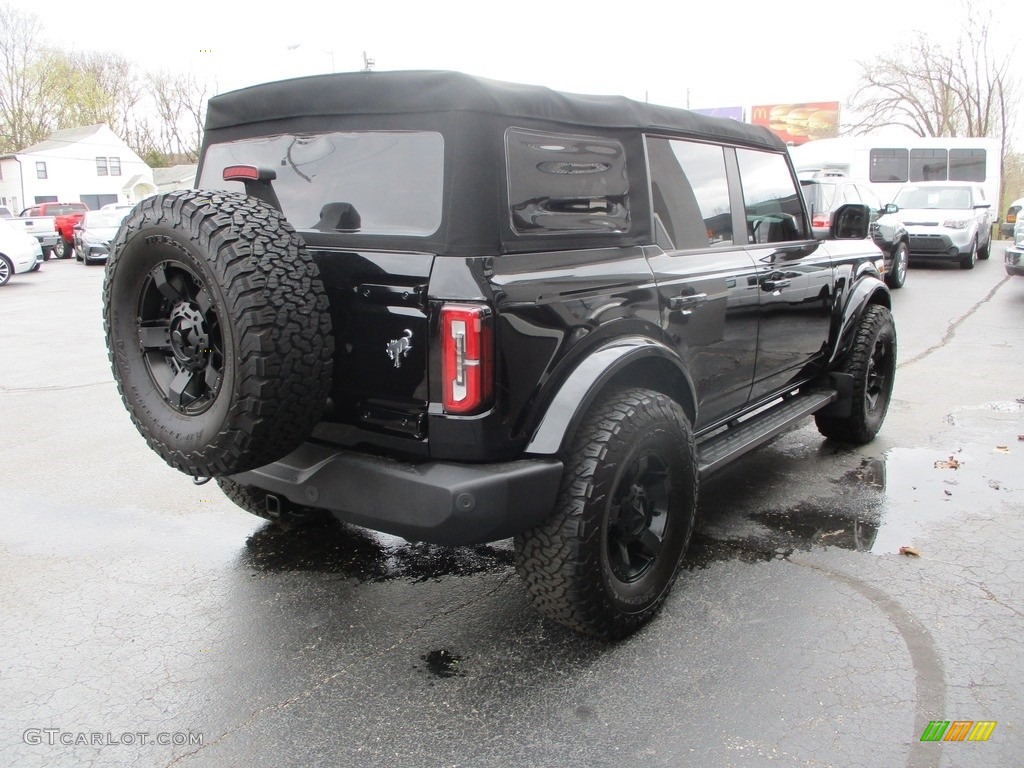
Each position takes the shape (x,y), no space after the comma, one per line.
(436,502)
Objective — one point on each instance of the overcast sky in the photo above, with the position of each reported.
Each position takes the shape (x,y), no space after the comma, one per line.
(711,54)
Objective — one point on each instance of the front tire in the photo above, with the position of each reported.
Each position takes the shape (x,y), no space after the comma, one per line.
(6,270)
(968,260)
(986,251)
(872,363)
(605,560)
(897,274)
(218,331)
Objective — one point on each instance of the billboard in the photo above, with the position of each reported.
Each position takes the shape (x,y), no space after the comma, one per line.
(799,123)
(734,113)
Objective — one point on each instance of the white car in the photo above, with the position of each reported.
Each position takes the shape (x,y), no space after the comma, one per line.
(18,252)
(947,221)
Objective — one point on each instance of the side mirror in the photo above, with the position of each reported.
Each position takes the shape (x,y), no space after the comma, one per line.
(851,222)
(892,208)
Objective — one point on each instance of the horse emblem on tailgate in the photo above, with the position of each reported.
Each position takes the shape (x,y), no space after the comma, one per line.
(399,348)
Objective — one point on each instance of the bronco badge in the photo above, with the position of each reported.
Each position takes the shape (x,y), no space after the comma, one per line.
(399,348)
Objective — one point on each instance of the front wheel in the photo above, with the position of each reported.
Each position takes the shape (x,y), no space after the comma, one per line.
(897,274)
(604,562)
(969,259)
(986,251)
(872,363)
(6,270)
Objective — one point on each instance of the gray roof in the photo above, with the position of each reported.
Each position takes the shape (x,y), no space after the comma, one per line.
(61,139)
(174,174)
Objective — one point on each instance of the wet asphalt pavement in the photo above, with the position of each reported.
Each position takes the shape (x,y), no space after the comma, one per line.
(141,615)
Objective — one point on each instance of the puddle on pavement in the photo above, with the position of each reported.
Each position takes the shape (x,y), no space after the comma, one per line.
(882,505)
(366,555)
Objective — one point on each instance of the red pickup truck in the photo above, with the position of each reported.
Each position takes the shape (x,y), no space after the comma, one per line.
(66,216)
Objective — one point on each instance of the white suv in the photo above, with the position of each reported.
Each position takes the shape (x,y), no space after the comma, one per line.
(947,221)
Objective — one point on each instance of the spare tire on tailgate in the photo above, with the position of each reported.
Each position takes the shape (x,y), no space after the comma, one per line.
(218,330)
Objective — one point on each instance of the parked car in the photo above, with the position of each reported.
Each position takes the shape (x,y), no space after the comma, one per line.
(1015,252)
(5,212)
(1013,214)
(947,221)
(65,215)
(94,233)
(617,301)
(18,252)
(42,228)
(825,192)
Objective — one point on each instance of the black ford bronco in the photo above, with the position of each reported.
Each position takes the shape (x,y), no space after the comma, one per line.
(459,310)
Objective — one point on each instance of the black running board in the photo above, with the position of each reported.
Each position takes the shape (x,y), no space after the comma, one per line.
(723,447)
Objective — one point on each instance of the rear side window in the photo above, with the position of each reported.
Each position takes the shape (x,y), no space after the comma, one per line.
(564,183)
(689,193)
(366,182)
(967,165)
(770,197)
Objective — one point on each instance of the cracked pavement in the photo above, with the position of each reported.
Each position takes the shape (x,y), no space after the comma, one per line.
(136,602)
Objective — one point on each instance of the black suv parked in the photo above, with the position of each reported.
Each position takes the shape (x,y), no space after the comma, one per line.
(458,310)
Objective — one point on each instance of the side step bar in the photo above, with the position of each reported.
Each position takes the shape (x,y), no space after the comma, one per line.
(721,448)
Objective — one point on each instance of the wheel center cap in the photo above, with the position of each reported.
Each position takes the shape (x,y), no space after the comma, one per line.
(633,516)
(190,341)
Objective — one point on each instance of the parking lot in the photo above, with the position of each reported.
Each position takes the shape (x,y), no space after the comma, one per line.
(146,621)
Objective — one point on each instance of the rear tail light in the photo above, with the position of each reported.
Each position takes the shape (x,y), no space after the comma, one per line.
(467,370)
(820,220)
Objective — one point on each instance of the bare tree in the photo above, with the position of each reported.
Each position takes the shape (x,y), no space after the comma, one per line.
(180,105)
(932,90)
(29,87)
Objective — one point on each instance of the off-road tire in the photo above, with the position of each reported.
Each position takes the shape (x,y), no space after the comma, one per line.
(218,330)
(573,564)
(897,274)
(872,363)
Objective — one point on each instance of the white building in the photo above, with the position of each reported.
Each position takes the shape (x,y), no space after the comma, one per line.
(90,165)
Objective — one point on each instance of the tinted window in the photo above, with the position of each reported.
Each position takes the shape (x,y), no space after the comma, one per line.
(690,194)
(927,165)
(370,182)
(566,183)
(889,165)
(770,198)
(967,165)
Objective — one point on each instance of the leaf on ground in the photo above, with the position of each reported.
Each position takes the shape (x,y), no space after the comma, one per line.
(950,463)
(909,551)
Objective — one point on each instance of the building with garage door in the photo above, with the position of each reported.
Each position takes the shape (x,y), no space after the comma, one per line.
(90,164)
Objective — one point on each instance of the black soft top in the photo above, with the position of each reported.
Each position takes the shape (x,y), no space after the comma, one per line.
(433,92)
(472,114)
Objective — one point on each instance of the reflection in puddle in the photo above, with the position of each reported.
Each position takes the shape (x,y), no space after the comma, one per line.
(849,518)
(365,555)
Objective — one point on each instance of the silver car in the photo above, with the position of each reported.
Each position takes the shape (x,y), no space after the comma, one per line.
(947,221)
(1015,252)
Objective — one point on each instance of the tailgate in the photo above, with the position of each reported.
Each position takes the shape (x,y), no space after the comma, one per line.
(380,319)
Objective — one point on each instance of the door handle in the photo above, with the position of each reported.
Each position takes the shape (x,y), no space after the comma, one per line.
(685,304)
(774,285)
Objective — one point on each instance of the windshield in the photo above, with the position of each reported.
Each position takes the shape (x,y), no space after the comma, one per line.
(104,219)
(370,182)
(942,198)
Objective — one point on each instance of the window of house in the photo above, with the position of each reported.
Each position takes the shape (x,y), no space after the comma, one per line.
(967,165)
(115,166)
(689,194)
(928,165)
(101,166)
(889,165)
(40,169)
(771,198)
